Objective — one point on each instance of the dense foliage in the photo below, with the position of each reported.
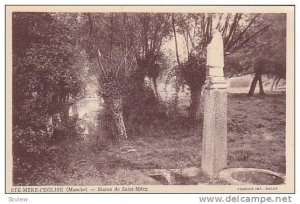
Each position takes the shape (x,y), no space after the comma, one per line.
(45,76)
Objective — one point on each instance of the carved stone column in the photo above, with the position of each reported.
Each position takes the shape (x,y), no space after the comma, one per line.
(214,143)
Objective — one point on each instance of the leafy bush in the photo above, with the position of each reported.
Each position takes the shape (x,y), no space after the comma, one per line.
(27,141)
(45,74)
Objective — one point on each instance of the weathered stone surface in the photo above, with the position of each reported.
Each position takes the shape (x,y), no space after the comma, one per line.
(163,175)
(190,172)
(126,149)
(214,144)
(215,52)
(215,63)
(259,176)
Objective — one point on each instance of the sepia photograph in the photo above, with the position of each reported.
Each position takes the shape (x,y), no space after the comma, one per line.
(150,99)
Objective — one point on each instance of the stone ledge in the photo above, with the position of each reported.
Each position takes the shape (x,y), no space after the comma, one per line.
(227,175)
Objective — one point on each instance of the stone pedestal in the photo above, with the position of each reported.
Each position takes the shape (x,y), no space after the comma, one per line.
(214,143)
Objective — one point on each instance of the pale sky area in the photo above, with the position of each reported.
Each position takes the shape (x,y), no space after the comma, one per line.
(169,47)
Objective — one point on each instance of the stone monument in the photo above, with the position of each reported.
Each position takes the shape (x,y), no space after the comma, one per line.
(214,143)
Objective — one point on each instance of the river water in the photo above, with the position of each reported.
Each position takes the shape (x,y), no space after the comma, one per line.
(87,109)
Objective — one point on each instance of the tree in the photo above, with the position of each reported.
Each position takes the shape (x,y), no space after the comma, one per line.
(154,28)
(126,47)
(237,30)
(43,71)
(111,46)
(143,106)
(44,76)
(269,51)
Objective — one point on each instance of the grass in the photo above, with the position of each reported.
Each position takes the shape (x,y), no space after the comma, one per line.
(256,138)
(240,82)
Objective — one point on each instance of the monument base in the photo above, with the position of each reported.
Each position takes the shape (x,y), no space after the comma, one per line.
(214,144)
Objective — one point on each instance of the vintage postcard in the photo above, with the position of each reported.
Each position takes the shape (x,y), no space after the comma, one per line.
(150,99)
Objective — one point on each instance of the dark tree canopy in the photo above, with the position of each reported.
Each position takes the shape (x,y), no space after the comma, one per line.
(45,76)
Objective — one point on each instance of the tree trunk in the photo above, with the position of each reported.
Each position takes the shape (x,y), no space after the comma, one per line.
(103,138)
(278,80)
(253,85)
(175,37)
(200,107)
(195,110)
(115,106)
(272,86)
(261,88)
(155,89)
(120,126)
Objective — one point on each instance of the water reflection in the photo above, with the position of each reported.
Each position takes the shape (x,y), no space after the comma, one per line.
(87,109)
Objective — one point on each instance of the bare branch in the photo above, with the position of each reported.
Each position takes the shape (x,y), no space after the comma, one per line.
(155,36)
(224,30)
(176,45)
(99,62)
(248,39)
(111,35)
(207,30)
(124,59)
(231,44)
(91,24)
(92,32)
(232,30)
(189,35)
(125,35)
(160,42)
(219,22)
